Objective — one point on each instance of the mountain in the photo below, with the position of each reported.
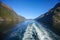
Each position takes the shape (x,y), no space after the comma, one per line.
(8,14)
(51,18)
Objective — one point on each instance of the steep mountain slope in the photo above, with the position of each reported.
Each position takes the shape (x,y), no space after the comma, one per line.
(51,18)
(8,14)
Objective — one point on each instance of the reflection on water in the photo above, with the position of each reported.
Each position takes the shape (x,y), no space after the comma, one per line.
(5,27)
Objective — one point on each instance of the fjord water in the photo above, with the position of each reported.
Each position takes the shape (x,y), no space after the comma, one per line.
(31,30)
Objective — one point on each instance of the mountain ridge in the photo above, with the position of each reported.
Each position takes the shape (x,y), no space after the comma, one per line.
(8,14)
(51,18)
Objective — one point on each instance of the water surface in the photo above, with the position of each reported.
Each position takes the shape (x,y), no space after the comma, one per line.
(28,30)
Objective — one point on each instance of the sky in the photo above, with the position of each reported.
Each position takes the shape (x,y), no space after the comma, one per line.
(31,9)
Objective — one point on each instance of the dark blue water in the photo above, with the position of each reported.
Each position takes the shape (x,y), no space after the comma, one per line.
(31,30)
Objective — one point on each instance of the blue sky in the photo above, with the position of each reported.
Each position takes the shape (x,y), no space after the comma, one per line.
(31,9)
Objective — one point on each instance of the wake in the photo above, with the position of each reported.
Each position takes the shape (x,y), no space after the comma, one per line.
(40,33)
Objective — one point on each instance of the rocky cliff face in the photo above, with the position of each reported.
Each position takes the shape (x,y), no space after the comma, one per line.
(51,18)
(8,14)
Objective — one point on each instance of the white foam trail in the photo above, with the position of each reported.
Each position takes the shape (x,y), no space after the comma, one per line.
(28,33)
(42,33)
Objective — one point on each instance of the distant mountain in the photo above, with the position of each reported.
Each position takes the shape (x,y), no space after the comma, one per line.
(8,14)
(51,18)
